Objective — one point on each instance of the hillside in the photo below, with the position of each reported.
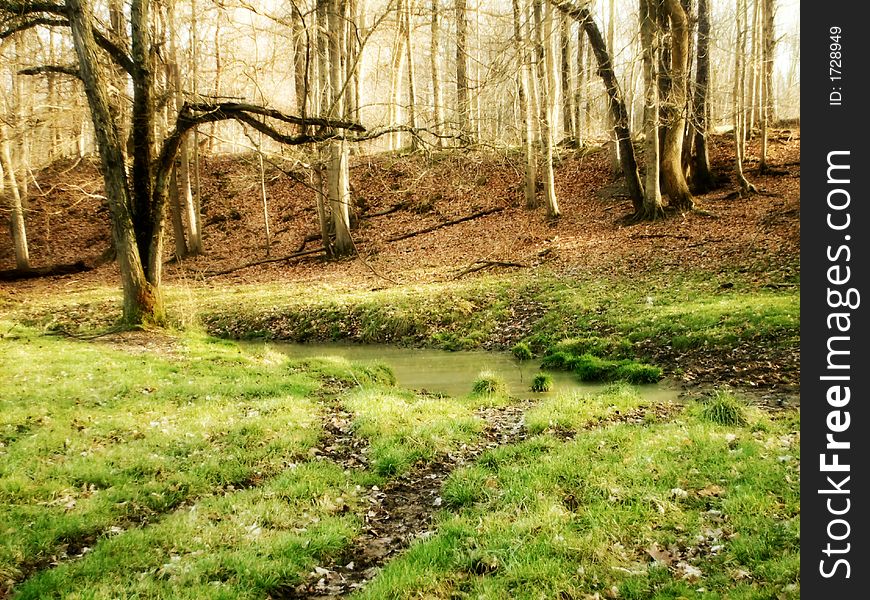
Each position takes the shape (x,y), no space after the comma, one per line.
(67,220)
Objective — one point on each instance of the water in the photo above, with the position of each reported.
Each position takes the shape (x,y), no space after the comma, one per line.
(453,373)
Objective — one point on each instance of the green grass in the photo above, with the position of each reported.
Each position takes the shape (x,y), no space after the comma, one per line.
(192,474)
(575,411)
(616,318)
(724,409)
(528,521)
(542,383)
(96,442)
(592,368)
(521,351)
(488,384)
(403,428)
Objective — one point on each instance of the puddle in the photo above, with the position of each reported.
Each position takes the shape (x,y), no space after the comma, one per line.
(453,373)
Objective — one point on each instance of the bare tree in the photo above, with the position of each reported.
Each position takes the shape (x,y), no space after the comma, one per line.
(435,66)
(463,105)
(739,99)
(652,197)
(673,177)
(702,175)
(769,45)
(13,194)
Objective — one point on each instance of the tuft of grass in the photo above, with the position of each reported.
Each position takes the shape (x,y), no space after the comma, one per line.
(488,384)
(724,408)
(542,383)
(522,351)
(589,367)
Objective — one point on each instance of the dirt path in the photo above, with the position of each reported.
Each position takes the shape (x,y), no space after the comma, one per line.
(401,511)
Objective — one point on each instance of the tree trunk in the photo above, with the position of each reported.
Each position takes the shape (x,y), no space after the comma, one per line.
(580,88)
(435,65)
(565,71)
(527,107)
(399,55)
(300,62)
(193,194)
(739,100)
(142,301)
(613,145)
(702,174)
(338,174)
(462,103)
(412,87)
(546,75)
(673,176)
(652,197)
(19,233)
(769,41)
(616,103)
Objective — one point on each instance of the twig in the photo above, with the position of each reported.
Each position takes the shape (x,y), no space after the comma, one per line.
(476,215)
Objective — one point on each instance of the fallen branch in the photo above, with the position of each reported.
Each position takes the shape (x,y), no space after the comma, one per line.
(50,271)
(638,236)
(470,217)
(265,261)
(480,265)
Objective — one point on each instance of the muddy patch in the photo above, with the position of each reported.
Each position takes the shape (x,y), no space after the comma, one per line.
(402,510)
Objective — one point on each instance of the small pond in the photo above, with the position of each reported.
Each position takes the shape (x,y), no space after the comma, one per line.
(453,373)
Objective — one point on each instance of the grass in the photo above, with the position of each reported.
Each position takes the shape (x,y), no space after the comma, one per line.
(488,384)
(526,522)
(193,472)
(116,452)
(618,318)
(592,368)
(575,411)
(542,383)
(724,409)
(521,351)
(403,428)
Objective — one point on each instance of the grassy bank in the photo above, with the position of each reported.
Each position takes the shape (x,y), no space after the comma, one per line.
(690,324)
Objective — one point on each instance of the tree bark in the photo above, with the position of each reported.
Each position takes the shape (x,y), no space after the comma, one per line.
(462,102)
(546,79)
(702,174)
(412,86)
(338,174)
(527,107)
(565,71)
(673,176)
(435,66)
(652,199)
(142,301)
(616,103)
(739,100)
(19,232)
(769,41)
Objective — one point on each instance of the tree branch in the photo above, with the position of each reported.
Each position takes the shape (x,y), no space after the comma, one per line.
(116,52)
(70,70)
(241,107)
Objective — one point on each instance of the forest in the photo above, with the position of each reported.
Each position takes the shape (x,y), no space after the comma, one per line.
(400,299)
